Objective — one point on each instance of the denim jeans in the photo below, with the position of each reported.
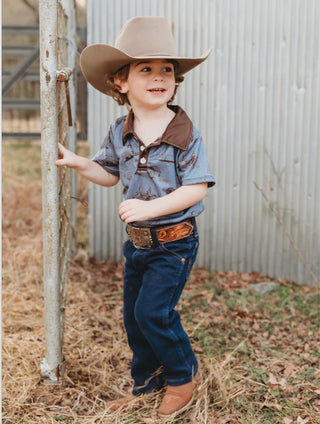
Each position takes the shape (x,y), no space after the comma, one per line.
(153,283)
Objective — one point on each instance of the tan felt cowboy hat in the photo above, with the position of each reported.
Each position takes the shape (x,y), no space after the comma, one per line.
(140,38)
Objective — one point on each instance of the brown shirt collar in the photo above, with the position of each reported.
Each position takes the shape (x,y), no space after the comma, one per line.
(178,133)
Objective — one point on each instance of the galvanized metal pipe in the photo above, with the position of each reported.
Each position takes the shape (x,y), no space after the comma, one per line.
(50,187)
(69,11)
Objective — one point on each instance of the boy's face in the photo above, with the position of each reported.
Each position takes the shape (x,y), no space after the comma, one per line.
(150,83)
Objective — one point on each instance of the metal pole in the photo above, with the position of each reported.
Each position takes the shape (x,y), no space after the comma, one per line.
(70,11)
(50,366)
(66,53)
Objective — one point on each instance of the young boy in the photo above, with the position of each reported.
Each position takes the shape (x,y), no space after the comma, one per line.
(161,161)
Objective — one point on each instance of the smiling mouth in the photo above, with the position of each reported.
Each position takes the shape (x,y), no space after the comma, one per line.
(157,90)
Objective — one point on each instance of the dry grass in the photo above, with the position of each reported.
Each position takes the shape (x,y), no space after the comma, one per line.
(97,355)
(240,372)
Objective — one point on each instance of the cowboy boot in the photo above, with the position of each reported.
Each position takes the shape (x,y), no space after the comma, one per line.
(177,398)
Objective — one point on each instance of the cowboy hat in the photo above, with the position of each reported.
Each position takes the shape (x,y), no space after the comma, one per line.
(140,38)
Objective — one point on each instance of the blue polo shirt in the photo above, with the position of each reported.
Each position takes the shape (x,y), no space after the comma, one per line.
(175,159)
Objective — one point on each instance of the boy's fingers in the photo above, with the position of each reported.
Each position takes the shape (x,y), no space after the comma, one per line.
(124,206)
(60,162)
(60,151)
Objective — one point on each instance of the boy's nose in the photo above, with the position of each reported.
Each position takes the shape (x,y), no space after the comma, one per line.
(158,76)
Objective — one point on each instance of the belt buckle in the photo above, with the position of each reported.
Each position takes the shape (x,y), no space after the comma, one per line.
(140,237)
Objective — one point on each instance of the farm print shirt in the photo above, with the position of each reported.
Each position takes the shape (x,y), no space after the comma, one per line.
(175,159)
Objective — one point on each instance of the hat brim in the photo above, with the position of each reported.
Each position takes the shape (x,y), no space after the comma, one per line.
(98,60)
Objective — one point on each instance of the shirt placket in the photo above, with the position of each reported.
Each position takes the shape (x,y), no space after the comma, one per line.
(143,157)
(144,154)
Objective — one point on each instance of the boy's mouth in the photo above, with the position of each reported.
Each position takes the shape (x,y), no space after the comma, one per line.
(157,90)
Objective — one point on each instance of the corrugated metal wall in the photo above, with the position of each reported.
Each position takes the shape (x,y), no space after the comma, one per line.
(257,103)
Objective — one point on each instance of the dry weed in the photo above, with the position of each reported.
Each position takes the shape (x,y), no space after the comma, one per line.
(95,347)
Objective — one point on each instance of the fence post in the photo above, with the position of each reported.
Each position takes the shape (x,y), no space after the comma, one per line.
(71,36)
(66,53)
(51,364)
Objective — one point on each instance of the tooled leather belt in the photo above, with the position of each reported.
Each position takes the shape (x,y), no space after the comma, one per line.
(147,238)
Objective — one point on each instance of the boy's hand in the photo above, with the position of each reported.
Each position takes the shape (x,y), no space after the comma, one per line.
(136,210)
(87,168)
(66,157)
(182,198)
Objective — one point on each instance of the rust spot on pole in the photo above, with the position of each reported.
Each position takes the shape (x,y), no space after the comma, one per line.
(47,53)
(48,78)
(61,78)
(63,75)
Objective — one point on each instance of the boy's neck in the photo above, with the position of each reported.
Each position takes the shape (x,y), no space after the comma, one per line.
(150,125)
(156,114)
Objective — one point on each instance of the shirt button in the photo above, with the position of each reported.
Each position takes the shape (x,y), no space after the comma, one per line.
(143,160)
(142,148)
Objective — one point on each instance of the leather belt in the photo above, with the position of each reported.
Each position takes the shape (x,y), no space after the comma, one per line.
(148,238)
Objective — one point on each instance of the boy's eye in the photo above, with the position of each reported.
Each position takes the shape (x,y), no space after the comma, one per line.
(166,69)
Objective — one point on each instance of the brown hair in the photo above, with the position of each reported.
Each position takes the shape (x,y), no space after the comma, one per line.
(113,90)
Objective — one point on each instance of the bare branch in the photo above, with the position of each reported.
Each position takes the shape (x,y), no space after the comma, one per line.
(278,218)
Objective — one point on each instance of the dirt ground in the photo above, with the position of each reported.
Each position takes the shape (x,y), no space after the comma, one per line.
(259,356)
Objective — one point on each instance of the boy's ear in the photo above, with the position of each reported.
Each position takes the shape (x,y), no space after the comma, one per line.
(121,85)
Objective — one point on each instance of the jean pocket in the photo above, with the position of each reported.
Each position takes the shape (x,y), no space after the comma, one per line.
(182,249)
(169,249)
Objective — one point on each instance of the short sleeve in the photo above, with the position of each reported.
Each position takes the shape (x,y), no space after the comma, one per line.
(107,156)
(193,165)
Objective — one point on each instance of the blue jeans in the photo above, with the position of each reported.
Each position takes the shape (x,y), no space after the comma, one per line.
(153,283)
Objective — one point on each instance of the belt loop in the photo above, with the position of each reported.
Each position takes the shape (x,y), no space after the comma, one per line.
(154,236)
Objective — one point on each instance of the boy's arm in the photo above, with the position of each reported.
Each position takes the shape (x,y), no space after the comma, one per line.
(182,198)
(89,169)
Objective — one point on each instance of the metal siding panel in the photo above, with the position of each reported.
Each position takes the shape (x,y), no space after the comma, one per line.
(292,177)
(312,186)
(203,101)
(256,103)
(241,147)
(307,119)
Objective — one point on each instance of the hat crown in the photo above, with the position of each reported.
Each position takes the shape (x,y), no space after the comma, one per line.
(145,37)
